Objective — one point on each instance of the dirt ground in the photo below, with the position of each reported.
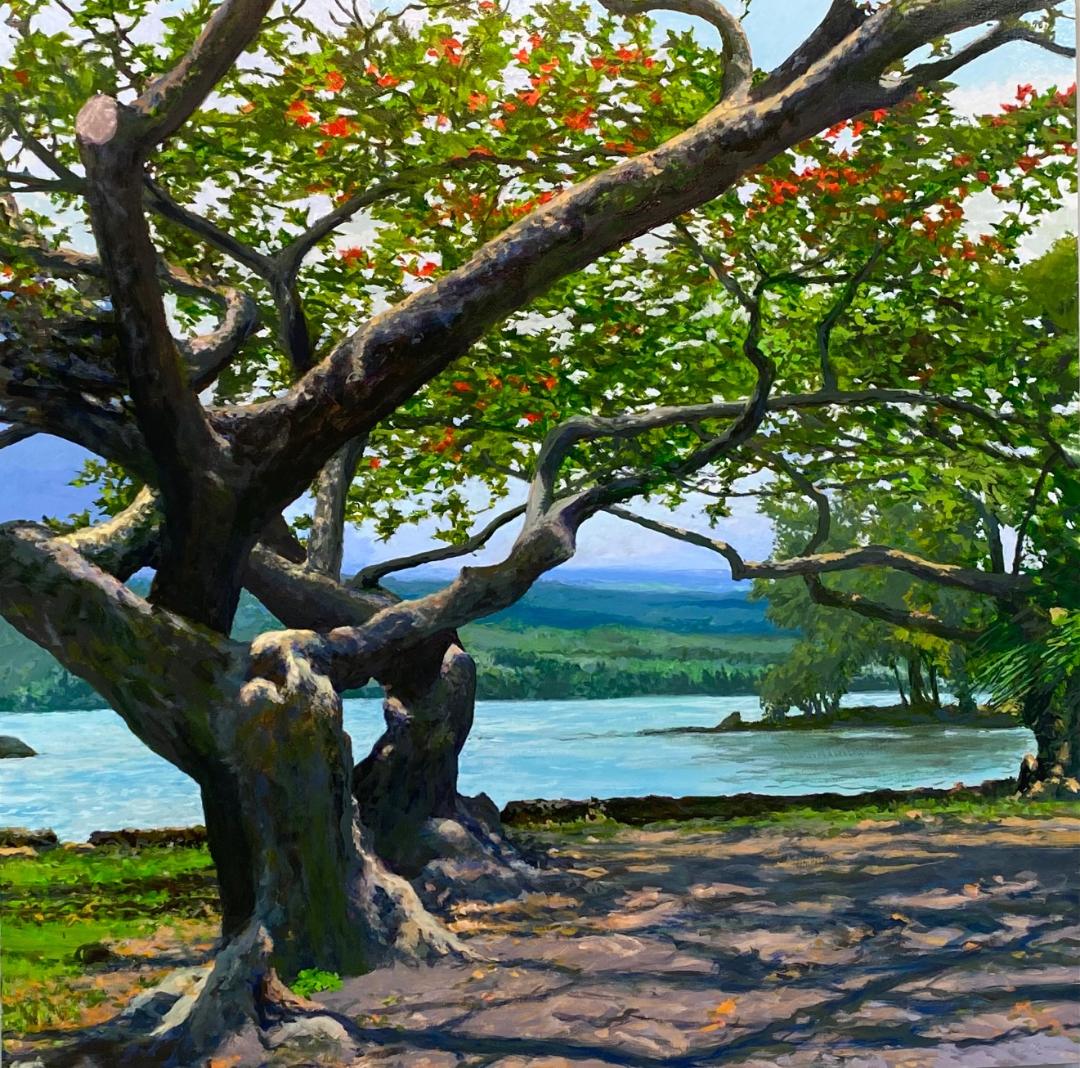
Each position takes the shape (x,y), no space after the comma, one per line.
(917,942)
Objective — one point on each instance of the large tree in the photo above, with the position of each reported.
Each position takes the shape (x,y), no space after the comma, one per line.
(505,168)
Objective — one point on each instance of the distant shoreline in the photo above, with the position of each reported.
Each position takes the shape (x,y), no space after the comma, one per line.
(857,716)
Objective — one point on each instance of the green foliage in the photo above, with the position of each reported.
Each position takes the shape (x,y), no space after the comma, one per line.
(314,981)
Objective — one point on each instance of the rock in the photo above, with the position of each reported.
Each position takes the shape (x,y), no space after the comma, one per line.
(14,747)
(17,851)
(134,838)
(730,723)
(13,837)
(94,953)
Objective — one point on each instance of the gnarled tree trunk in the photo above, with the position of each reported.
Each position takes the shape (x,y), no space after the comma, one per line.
(410,775)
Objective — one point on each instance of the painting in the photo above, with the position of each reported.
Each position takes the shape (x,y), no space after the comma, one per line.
(539,533)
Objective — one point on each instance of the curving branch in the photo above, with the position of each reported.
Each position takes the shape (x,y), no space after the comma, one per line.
(371,575)
(326,542)
(1029,514)
(208,355)
(738,62)
(910,619)
(1002,33)
(123,544)
(835,314)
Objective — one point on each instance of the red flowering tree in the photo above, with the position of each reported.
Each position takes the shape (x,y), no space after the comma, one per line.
(495,318)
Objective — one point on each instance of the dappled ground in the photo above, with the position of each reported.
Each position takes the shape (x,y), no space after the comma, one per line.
(920,940)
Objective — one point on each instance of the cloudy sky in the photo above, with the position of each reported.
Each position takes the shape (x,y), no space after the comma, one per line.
(35,474)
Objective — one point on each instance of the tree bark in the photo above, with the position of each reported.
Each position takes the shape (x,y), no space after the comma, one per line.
(916,687)
(1054,718)
(410,776)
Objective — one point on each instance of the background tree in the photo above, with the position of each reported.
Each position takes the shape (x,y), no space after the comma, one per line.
(214,162)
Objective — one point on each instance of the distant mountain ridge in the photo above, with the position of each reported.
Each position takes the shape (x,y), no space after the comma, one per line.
(627,600)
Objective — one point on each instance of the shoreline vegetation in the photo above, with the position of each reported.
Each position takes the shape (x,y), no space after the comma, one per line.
(857,716)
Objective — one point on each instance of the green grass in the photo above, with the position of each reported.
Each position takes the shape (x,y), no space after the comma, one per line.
(61,900)
(814,819)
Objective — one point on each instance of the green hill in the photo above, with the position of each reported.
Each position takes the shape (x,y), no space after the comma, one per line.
(562,640)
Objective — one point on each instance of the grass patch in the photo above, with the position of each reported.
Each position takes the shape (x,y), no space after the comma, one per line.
(61,901)
(815,819)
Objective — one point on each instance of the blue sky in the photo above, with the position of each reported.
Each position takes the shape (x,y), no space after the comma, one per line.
(35,474)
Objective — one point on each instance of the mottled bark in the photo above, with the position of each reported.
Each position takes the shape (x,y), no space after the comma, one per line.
(410,776)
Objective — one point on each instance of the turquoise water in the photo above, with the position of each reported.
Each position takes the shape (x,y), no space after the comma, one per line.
(93,774)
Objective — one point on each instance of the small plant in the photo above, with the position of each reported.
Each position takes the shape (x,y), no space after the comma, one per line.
(314,981)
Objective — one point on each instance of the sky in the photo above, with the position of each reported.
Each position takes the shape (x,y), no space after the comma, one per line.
(35,474)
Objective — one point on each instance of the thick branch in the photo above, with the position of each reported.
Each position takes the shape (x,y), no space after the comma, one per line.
(116,641)
(168,101)
(842,19)
(373,573)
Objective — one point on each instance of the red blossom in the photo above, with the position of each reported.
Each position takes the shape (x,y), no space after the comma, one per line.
(533,417)
(579,120)
(879,114)
(462,387)
(833,132)
(426,268)
(598,62)
(335,81)
(374,463)
(477,101)
(1024,91)
(387,80)
(984,177)
(549,382)
(522,55)
(1028,163)
(21,76)
(530,99)
(339,127)
(298,112)
(352,256)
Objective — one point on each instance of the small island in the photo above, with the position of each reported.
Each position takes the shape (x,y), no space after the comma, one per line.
(858,716)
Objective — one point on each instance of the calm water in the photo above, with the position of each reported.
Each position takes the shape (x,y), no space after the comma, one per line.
(92,774)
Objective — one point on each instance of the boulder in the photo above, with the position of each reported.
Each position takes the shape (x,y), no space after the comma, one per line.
(14,747)
(730,723)
(12,837)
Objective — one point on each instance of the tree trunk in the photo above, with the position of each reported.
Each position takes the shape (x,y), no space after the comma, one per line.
(899,684)
(1054,718)
(935,693)
(916,687)
(410,775)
